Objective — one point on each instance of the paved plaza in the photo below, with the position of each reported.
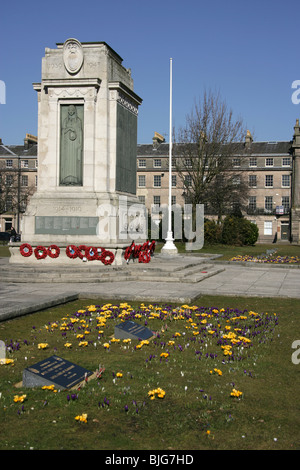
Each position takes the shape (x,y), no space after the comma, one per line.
(18,298)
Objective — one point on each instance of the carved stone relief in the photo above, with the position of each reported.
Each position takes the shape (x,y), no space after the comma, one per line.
(73,56)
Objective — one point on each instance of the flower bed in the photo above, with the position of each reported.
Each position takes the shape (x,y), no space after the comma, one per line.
(267,259)
(202,354)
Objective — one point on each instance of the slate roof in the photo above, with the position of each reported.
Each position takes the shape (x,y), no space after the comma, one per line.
(17,150)
(256,148)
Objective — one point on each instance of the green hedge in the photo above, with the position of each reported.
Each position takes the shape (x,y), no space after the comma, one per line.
(233,231)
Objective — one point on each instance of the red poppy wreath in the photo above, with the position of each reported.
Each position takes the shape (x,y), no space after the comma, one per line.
(26,250)
(104,256)
(40,252)
(72,251)
(53,251)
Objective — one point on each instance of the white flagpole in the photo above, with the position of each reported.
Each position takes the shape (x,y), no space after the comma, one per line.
(169,246)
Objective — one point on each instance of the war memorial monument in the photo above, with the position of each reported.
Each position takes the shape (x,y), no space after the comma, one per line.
(87,141)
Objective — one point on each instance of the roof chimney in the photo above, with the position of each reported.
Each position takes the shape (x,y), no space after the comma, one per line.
(248,139)
(157,140)
(296,137)
(29,141)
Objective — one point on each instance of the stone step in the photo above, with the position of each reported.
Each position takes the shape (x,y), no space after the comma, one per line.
(190,274)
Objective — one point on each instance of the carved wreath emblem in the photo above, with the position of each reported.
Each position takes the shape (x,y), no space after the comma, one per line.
(73,56)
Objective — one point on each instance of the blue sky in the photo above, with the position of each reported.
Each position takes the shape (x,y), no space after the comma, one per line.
(248,51)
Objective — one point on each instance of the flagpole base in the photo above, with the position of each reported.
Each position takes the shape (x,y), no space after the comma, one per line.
(169,248)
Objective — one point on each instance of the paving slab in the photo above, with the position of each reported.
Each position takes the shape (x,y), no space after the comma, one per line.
(234,280)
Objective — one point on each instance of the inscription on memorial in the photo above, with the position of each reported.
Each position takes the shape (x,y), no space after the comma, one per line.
(54,371)
(132,330)
(66,225)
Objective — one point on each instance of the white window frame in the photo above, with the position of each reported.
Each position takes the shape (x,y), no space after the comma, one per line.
(236,162)
(266,181)
(156,200)
(141,180)
(283,177)
(24,164)
(24,181)
(142,162)
(269,203)
(268,227)
(269,162)
(285,160)
(157,181)
(252,177)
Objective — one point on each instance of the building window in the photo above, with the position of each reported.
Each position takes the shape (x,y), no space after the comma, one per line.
(253,161)
(24,180)
(142,163)
(173,200)
(157,181)
(174,181)
(36,164)
(286,161)
(285,181)
(269,203)
(173,162)
(8,180)
(188,163)
(9,163)
(142,181)
(36,180)
(252,203)
(268,228)
(157,162)
(269,161)
(236,162)
(156,200)
(142,199)
(188,181)
(8,203)
(269,181)
(252,181)
(24,163)
(286,203)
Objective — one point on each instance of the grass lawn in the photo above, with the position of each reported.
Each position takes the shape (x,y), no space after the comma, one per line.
(200,354)
(4,251)
(228,251)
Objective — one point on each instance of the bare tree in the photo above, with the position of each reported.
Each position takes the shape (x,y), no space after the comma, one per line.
(13,195)
(207,150)
(8,191)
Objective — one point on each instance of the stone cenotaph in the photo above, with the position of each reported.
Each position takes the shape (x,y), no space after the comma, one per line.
(87,141)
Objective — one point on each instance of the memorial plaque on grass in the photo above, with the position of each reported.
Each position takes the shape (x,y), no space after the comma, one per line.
(132,330)
(54,371)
